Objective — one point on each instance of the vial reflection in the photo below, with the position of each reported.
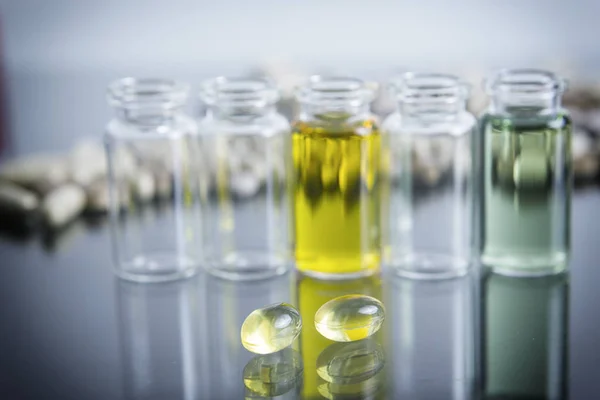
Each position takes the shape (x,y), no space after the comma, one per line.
(312,295)
(348,363)
(525,349)
(274,375)
(158,338)
(227,304)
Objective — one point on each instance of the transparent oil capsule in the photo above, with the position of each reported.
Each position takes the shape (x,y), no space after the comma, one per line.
(273,374)
(348,363)
(350,318)
(270,329)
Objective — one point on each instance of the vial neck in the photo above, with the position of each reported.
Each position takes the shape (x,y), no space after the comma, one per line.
(428,111)
(234,112)
(148,117)
(503,103)
(147,102)
(430,97)
(312,111)
(525,92)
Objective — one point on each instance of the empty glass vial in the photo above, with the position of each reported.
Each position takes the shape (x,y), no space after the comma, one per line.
(526,175)
(336,194)
(427,167)
(151,153)
(245,150)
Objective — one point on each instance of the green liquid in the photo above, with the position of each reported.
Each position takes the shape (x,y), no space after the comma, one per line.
(526,189)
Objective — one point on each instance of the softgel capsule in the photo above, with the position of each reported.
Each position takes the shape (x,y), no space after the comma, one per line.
(270,329)
(349,318)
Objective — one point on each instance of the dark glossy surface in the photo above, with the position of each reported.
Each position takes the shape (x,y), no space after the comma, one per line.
(71,330)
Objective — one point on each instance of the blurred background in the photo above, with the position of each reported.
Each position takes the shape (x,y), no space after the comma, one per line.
(58,56)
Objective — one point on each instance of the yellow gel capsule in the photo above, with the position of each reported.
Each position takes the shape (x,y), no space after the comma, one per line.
(348,363)
(270,329)
(349,318)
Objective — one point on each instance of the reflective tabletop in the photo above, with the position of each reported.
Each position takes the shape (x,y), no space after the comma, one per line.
(71,330)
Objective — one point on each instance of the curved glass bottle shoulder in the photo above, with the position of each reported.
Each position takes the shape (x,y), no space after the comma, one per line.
(526,179)
(336,190)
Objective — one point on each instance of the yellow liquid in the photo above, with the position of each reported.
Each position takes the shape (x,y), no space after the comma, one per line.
(336,195)
(312,294)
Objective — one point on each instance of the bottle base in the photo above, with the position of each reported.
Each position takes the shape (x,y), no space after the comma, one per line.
(326,276)
(338,267)
(430,267)
(526,266)
(156,268)
(247,267)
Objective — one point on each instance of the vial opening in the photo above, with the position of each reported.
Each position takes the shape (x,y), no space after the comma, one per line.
(239,92)
(147,93)
(429,88)
(525,82)
(335,91)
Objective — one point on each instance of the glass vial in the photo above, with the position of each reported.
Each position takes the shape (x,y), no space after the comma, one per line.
(427,164)
(245,145)
(151,152)
(525,162)
(526,336)
(336,193)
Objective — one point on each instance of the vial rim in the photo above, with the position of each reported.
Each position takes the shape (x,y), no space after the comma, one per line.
(335,90)
(137,93)
(239,91)
(524,82)
(429,87)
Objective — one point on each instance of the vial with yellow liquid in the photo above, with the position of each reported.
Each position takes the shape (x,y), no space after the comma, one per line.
(336,181)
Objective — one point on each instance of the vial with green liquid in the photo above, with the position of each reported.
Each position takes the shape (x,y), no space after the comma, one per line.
(524,156)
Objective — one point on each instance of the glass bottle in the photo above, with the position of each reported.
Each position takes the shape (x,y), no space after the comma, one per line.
(526,176)
(336,193)
(245,149)
(151,153)
(427,164)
